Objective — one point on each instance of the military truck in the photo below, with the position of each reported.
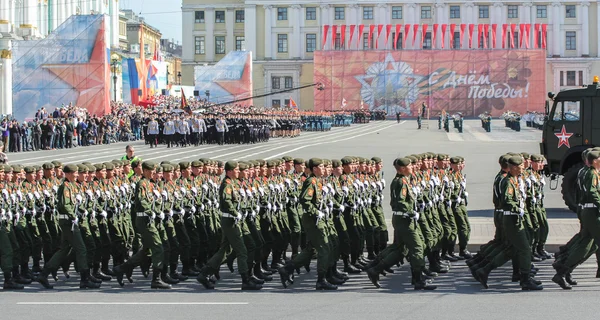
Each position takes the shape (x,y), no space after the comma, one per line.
(572,125)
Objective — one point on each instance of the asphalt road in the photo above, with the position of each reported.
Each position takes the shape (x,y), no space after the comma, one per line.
(458,295)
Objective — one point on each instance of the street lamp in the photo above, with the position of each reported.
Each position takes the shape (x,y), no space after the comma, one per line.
(207,93)
(179,77)
(114,63)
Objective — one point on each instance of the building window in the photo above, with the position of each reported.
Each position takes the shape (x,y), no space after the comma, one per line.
(220,45)
(240,16)
(398,42)
(219,16)
(311,42)
(481,41)
(426,12)
(580,78)
(396,12)
(367,13)
(199,45)
(199,16)
(282,43)
(286,102)
(427,41)
(311,13)
(275,83)
(456,40)
(515,40)
(454,12)
(571,78)
(281,13)
(240,43)
(541,40)
(570,11)
(338,42)
(562,81)
(288,82)
(484,12)
(571,40)
(542,11)
(513,11)
(339,13)
(276,103)
(366,45)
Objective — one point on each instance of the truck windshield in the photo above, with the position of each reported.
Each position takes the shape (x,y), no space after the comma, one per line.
(566,110)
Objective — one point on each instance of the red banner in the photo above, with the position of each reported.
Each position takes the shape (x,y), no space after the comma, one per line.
(325,32)
(388,29)
(406,31)
(537,29)
(415,31)
(379,29)
(352,28)
(398,28)
(343,36)
(361,30)
(435,28)
(333,35)
(486,34)
(452,30)
(504,28)
(462,33)
(371,29)
(471,29)
(522,36)
(452,80)
(513,29)
(480,36)
(423,34)
(544,30)
(494,29)
(527,35)
(444,27)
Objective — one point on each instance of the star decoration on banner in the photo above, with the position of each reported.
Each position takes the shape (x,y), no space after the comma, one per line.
(88,79)
(563,137)
(239,88)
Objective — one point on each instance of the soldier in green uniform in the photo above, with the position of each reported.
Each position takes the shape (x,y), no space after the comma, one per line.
(146,194)
(6,246)
(68,202)
(406,229)
(229,205)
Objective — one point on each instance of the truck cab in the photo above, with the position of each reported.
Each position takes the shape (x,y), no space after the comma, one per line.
(572,125)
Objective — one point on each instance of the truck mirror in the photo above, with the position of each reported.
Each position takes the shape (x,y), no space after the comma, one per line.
(547,108)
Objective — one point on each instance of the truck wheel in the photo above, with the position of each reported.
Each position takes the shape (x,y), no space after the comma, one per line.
(569,185)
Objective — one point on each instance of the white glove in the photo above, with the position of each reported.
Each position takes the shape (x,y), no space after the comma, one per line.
(521,212)
(382,197)
(79,199)
(320,215)
(153,216)
(369,201)
(430,204)
(383,182)
(330,203)
(257,208)
(274,207)
(217,205)
(269,206)
(76,221)
(346,190)
(253,214)
(194,190)
(205,187)
(458,200)
(193,210)
(202,206)
(30,196)
(325,190)
(104,214)
(162,216)
(417,216)
(466,194)
(85,213)
(342,208)
(37,195)
(377,198)
(209,202)
(243,193)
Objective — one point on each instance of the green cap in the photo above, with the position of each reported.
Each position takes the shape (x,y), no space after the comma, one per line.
(82,168)
(376,159)
(70,168)
(336,163)
(515,160)
(8,169)
(48,166)
(135,163)
(109,166)
(230,165)
(29,169)
(298,161)
(160,168)
(243,166)
(593,155)
(314,162)
(346,160)
(148,165)
(287,158)
(167,168)
(99,166)
(402,162)
(184,165)
(525,155)
(197,164)
(455,160)
(537,158)
(271,164)
(57,164)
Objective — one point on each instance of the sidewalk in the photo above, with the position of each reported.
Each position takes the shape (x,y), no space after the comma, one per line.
(482,231)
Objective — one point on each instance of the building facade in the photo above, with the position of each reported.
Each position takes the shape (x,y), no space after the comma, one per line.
(35,19)
(283,35)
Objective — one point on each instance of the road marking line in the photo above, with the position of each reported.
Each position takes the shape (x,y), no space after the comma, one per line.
(130,303)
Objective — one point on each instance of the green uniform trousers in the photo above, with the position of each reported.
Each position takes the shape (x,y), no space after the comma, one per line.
(406,234)
(463,225)
(516,236)
(316,234)
(6,251)
(232,239)
(71,239)
(151,244)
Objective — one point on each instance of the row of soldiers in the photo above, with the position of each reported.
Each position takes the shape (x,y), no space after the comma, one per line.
(520,220)
(429,207)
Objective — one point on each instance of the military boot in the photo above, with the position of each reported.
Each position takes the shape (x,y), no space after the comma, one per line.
(373,275)
(119,272)
(260,275)
(248,284)
(43,279)
(230,259)
(349,268)
(286,274)
(99,274)
(203,278)
(322,284)
(10,284)
(482,274)
(166,278)
(85,282)
(465,254)
(187,271)
(339,274)
(16,277)
(176,275)
(157,282)
(93,279)
(332,279)
(420,282)
(559,277)
(528,284)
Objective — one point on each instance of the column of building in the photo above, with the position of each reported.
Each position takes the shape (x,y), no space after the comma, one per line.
(584,8)
(440,18)
(556,21)
(268,27)
(209,38)
(229,26)
(250,29)
(294,23)
(6,78)
(324,21)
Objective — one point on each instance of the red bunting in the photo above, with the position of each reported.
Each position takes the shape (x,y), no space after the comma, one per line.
(406,30)
(522,35)
(398,28)
(537,29)
(527,35)
(379,28)
(352,28)
(544,30)
(486,33)
(504,29)
(513,29)
(452,30)
(333,36)
(361,29)
(325,32)
(462,32)
(423,33)
(444,27)
(415,30)
(435,28)
(343,36)
(371,29)
(480,36)
(388,29)
(494,27)
(471,29)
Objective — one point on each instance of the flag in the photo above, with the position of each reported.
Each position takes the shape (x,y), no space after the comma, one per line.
(293,104)
(184,104)
(344,103)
